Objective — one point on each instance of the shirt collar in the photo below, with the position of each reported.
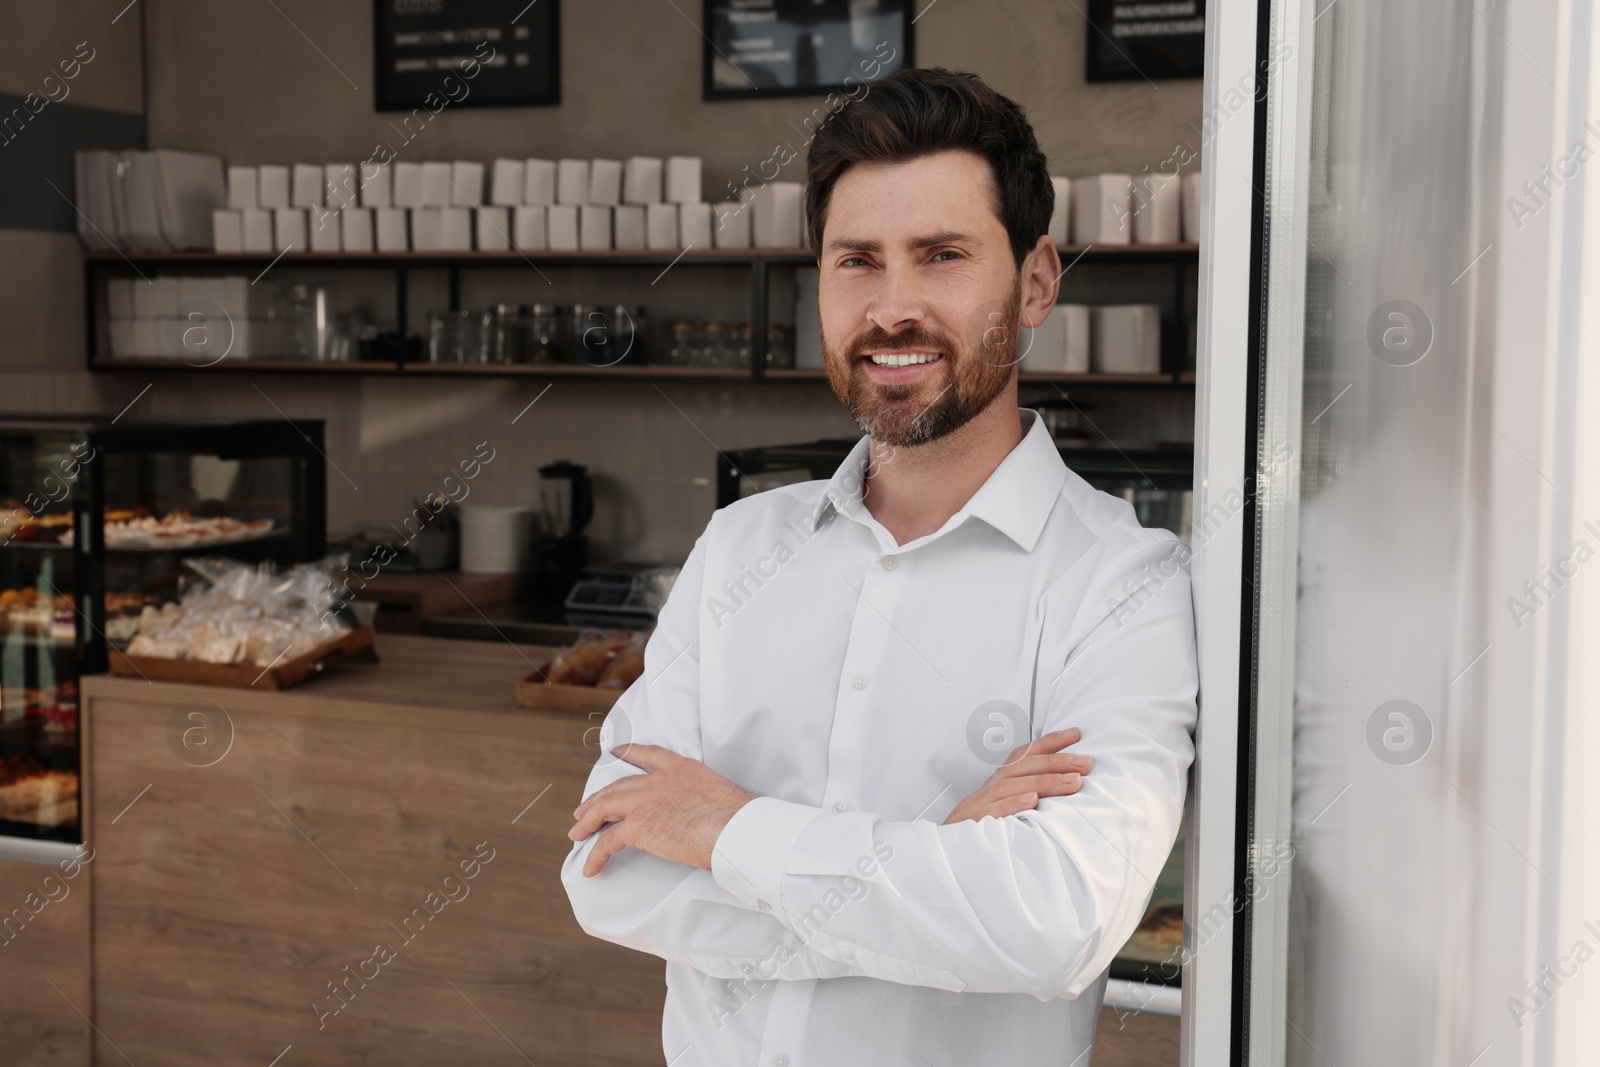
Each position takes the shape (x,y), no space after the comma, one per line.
(1016,499)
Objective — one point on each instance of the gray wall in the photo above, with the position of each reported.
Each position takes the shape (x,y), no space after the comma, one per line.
(257,82)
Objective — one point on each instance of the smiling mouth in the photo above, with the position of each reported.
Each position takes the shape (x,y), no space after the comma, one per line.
(903,359)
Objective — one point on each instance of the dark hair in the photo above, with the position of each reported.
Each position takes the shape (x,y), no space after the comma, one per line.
(922,110)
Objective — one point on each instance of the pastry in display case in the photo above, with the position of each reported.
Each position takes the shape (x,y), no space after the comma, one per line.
(98,520)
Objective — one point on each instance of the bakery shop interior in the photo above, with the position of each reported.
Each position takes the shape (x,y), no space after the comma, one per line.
(798,532)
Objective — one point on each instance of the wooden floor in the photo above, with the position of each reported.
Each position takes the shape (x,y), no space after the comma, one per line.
(1125,1039)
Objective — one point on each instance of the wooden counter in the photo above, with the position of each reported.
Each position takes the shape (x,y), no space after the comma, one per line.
(233,903)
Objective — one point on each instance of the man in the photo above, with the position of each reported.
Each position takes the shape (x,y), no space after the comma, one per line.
(846,802)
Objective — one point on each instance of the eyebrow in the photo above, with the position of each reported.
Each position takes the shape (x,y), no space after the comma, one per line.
(846,244)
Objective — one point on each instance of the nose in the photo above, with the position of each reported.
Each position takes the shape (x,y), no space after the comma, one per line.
(901,300)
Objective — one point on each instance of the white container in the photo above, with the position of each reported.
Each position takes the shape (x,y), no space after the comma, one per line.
(1044,348)
(227,231)
(343,189)
(492,228)
(157,298)
(121,336)
(1100,210)
(377,184)
(306,187)
(436,184)
(661,225)
(1076,318)
(1126,339)
(257,230)
(357,223)
(505,183)
(628,221)
(775,210)
(393,229)
(572,181)
(1191,207)
(694,225)
(455,229)
(562,227)
(273,186)
(641,180)
(425,229)
(1157,200)
(528,228)
(289,226)
(605,181)
(732,224)
(408,185)
(539,182)
(466,184)
(683,180)
(594,227)
(325,227)
(243,188)
(1061,213)
(496,540)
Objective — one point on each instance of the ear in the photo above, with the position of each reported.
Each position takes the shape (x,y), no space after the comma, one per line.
(1041,281)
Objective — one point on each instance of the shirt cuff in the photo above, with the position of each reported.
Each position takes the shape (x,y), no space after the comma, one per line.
(752,851)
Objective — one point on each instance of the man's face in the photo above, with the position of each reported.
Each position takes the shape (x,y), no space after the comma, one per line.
(919,296)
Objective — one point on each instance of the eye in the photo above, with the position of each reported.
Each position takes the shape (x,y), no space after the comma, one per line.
(853,261)
(939,256)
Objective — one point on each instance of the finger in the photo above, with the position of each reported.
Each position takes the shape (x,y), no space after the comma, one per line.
(1053,742)
(650,757)
(1053,763)
(613,808)
(1009,806)
(1041,785)
(621,787)
(608,844)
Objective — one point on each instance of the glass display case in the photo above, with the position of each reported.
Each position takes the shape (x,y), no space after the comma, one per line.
(97,517)
(1157,478)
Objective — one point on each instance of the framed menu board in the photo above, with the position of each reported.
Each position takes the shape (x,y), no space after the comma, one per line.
(758,48)
(466,53)
(1145,40)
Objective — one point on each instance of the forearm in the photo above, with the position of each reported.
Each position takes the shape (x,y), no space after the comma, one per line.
(679,913)
(1036,903)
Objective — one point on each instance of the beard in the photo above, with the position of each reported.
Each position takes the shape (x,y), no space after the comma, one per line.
(972,376)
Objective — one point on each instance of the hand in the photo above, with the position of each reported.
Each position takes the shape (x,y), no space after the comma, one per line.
(1037,769)
(676,810)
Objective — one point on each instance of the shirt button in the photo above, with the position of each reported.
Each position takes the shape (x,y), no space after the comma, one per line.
(780,1060)
(838,805)
(847,957)
(890,563)
(860,681)
(745,968)
(763,905)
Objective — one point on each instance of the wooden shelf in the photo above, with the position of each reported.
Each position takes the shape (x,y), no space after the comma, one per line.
(609,257)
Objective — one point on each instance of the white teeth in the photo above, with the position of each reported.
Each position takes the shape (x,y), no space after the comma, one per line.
(905,359)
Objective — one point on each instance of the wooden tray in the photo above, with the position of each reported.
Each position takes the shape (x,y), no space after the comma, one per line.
(536,693)
(242,675)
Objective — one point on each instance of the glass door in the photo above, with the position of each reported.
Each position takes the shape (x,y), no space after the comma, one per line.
(1401,697)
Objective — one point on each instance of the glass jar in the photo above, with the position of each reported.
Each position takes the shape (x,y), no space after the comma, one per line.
(455,337)
(780,345)
(737,355)
(714,347)
(589,334)
(502,340)
(682,350)
(544,333)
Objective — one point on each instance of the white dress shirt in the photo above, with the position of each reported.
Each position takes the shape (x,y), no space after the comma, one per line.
(863,688)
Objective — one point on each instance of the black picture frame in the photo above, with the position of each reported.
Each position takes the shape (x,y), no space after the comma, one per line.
(523,70)
(1146,46)
(833,70)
